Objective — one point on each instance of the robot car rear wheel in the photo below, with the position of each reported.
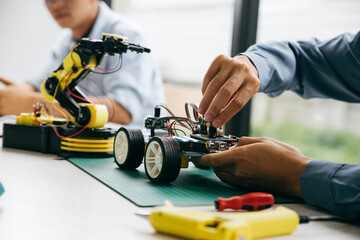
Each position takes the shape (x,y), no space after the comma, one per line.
(129,148)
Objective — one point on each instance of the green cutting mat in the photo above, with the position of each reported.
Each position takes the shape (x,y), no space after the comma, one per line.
(193,186)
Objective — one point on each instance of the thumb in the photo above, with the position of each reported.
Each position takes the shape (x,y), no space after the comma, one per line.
(203,161)
(219,159)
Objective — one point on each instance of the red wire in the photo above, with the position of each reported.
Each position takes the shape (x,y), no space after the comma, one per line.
(35,109)
(169,129)
(72,94)
(74,133)
(109,70)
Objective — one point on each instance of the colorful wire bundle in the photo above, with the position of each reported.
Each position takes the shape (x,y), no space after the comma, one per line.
(181,124)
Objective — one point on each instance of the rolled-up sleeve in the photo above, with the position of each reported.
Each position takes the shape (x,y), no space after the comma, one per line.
(332,186)
(325,69)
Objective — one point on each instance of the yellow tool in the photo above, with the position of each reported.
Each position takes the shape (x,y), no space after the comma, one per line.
(223,226)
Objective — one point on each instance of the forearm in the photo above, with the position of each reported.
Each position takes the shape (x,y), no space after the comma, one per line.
(332,186)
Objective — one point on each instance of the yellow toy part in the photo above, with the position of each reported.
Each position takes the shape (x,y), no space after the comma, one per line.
(223,226)
(99,115)
(185,161)
(30,119)
(87,145)
(46,95)
(115,36)
(73,60)
(27,119)
(66,74)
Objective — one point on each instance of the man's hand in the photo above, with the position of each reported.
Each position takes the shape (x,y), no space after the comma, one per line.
(227,87)
(262,164)
(16,98)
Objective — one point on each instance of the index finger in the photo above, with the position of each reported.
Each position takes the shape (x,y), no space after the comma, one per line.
(6,82)
(235,104)
(212,71)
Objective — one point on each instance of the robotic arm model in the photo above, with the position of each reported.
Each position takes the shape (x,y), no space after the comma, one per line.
(84,134)
(83,59)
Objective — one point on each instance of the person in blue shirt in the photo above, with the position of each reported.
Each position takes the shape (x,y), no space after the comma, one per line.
(323,69)
(130,93)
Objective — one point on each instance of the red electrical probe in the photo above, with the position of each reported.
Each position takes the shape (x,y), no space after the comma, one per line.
(251,202)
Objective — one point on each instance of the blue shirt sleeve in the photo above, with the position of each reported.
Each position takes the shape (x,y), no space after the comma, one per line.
(325,69)
(332,186)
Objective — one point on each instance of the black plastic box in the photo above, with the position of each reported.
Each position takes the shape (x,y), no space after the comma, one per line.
(34,138)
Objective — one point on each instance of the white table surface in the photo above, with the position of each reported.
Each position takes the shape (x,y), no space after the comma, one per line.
(49,198)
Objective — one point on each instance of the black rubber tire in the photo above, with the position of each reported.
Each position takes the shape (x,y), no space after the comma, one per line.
(171,160)
(136,146)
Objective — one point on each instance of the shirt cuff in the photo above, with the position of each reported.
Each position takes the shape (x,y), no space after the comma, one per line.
(264,70)
(316,184)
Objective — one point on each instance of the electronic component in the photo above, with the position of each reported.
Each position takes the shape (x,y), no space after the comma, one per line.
(157,112)
(220,145)
(203,130)
(212,132)
(152,122)
(188,144)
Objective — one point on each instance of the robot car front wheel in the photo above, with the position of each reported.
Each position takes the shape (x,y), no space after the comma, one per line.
(162,160)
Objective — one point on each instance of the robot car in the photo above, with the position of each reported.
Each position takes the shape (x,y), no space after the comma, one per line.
(168,144)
